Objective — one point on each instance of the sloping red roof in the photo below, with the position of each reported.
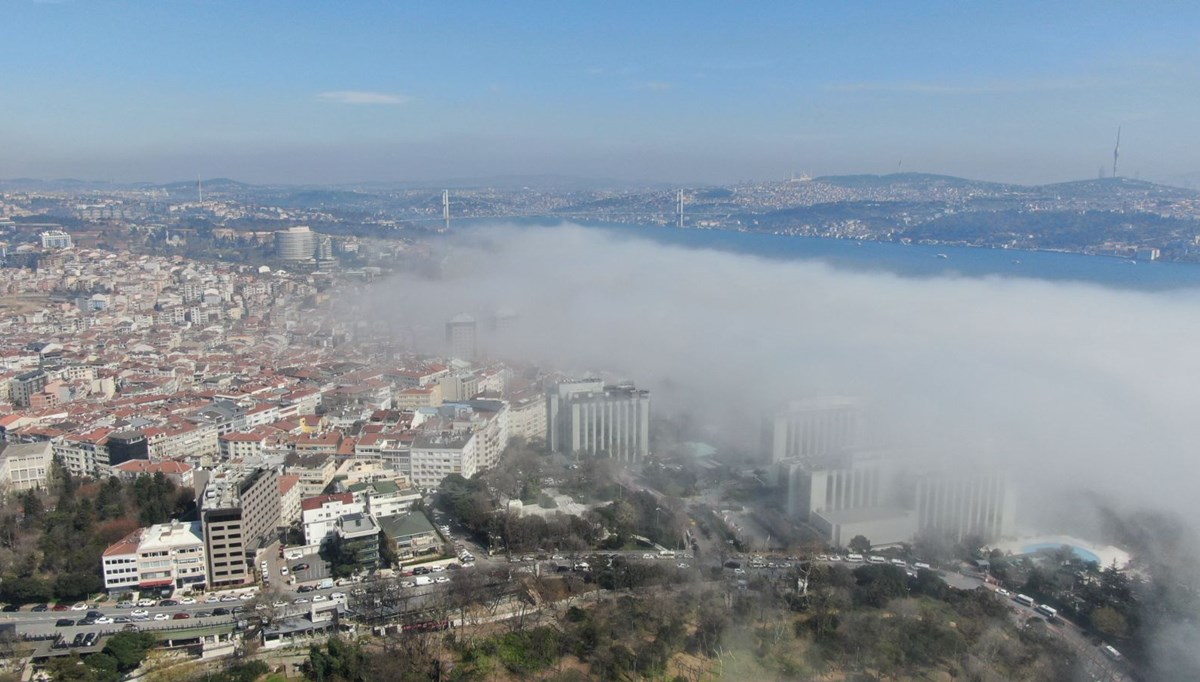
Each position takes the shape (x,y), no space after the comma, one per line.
(320,500)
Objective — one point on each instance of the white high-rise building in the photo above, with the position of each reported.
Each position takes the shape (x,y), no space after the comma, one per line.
(295,244)
(893,496)
(461,340)
(56,239)
(591,418)
(820,427)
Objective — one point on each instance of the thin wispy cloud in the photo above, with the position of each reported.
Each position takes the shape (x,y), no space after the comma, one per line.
(362,97)
(989,88)
(656,86)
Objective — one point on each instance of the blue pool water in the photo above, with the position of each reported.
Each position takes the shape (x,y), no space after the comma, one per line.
(1079,551)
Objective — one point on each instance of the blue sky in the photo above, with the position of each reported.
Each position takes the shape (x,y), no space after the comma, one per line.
(668,91)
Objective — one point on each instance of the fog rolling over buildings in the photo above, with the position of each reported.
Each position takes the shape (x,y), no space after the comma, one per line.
(1070,387)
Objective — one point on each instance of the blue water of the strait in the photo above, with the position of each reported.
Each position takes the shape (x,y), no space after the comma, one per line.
(923,261)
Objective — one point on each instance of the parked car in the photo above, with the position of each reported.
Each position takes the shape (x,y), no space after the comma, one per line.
(169,602)
(181,615)
(300,567)
(81,606)
(140,612)
(220,612)
(161,616)
(40,608)
(204,614)
(305,588)
(187,601)
(63,623)
(61,607)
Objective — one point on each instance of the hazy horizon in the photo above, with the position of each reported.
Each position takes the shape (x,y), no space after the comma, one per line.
(309,93)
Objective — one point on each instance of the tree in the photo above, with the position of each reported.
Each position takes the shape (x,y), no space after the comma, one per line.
(129,649)
(1109,622)
(860,544)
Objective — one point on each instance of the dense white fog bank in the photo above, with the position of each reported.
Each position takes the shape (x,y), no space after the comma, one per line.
(1076,386)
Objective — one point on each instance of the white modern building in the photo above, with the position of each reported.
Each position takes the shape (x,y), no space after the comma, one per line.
(319,515)
(820,427)
(23,466)
(437,454)
(894,496)
(461,340)
(56,239)
(163,555)
(295,244)
(589,417)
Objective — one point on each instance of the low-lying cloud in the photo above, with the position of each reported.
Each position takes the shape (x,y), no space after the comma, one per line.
(1075,386)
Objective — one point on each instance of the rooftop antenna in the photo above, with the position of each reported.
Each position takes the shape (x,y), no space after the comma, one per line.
(446,208)
(1116,151)
(680,208)
(200,188)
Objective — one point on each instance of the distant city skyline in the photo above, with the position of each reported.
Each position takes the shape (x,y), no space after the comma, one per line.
(688,93)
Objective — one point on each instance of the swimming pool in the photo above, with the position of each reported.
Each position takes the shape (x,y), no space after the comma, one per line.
(1079,551)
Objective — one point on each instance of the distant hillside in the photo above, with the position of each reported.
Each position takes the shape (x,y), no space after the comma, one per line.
(908,180)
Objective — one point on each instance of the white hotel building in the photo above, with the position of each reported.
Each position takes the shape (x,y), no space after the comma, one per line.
(588,417)
(163,555)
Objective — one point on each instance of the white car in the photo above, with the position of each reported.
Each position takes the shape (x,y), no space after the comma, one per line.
(279,604)
(283,570)
(146,602)
(301,600)
(1003,592)
(338,596)
(80,607)
(682,566)
(104,620)
(229,597)
(441,579)
(139,612)
(161,616)
(187,601)
(212,599)
(319,597)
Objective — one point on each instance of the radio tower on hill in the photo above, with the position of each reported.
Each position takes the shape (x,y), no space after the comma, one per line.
(681,208)
(1116,151)
(446,208)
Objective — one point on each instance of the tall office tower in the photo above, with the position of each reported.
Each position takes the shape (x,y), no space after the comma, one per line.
(460,337)
(239,515)
(588,417)
(324,247)
(808,429)
(295,244)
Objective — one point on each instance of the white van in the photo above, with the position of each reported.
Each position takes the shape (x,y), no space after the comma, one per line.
(854,558)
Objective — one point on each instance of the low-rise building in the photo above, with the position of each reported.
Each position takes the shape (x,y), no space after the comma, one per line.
(412,534)
(179,473)
(315,471)
(319,515)
(23,466)
(164,555)
(384,498)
